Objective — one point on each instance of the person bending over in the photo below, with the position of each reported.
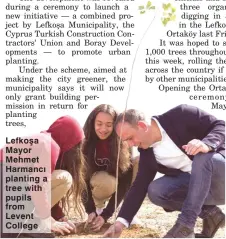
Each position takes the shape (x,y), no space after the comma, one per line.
(188,146)
(62,144)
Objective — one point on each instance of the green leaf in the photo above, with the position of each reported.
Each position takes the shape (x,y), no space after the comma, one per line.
(173,18)
(152,7)
(166,6)
(164,21)
(141,7)
(168,13)
(142,12)
(148,4)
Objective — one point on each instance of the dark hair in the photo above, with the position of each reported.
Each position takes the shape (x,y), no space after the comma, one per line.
(73,161)
(130,116)
(91,139)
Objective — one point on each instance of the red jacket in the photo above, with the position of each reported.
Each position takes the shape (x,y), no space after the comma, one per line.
(61,136)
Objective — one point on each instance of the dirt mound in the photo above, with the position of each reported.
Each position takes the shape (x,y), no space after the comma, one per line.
(133,232)
(155,224)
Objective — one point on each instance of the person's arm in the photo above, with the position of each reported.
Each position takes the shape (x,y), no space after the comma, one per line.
(57,212)
(47,152)
(123,187)
(88,200)
(146,173)
(206,127)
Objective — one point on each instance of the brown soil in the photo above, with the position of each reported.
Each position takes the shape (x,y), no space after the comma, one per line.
(134,231)
(155,223)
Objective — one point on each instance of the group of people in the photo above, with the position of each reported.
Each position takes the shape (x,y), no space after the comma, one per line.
(185,144)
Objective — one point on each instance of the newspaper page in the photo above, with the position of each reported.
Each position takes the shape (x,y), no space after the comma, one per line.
(65,57)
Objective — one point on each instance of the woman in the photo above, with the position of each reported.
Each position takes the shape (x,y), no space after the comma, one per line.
(100,149)
(62,144)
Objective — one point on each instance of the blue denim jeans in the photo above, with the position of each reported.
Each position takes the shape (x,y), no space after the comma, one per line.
(194,194)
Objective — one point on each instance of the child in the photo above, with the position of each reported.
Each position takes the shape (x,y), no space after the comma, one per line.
(62,144)
(101,147)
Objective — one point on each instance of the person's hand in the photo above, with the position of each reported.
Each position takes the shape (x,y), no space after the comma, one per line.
(97,224)
(114,230)
(63,219)
(69,222)
(61,227)
(90,220)
(196,146)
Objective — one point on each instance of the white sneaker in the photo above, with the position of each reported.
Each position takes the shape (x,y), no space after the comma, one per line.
(136,221)
(99,210)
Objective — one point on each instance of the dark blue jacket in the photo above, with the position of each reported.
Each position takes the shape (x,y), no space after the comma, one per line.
(182,124)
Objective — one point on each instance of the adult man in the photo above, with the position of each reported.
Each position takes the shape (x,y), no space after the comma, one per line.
(188,146)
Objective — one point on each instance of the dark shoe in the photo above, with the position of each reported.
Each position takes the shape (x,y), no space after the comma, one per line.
(180,231)
(211,224)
